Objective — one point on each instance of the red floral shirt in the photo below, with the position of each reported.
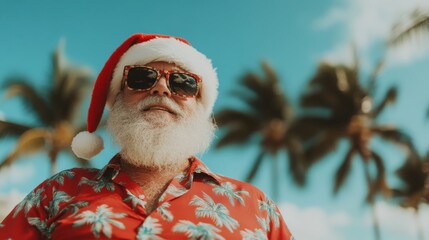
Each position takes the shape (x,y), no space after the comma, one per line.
(107,204)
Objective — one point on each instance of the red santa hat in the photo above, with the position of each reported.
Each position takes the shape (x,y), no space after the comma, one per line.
(142,49)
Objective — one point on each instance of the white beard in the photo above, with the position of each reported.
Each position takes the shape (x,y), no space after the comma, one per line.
(153,140)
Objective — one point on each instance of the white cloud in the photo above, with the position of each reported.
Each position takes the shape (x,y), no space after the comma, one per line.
(333,17)
(341,54)
(314,223)
(369,22)
(399,220)
(8,202)
(16,174)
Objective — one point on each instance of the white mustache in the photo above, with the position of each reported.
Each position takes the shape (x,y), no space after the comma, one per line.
(165,101)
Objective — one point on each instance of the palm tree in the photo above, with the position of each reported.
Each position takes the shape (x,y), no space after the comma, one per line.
(272,214)
(416,23)
(201,231)
(42,226)
(101,220)
(250,235)
(135,201)
(229,190)
(98,185)
(414,174)
(149,230)
(268,116)
(31,200)
(54,206)
(54,108)
(207,207)
(337,106)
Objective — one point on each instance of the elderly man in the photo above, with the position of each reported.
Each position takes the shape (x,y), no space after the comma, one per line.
(161,93)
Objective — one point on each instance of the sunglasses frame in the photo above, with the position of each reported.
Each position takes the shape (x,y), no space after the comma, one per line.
(160,73)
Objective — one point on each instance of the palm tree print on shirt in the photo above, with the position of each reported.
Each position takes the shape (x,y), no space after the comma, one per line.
(215,211)
(272,214)
(201,231)
(174,191)
(165,213)
(59,197)
(98,185)
(59,177)
(135,200)
(263,223)
(42,226)
(228,189)
(149,230)
(258,234)
(101,220)
(32,199)
(74,207)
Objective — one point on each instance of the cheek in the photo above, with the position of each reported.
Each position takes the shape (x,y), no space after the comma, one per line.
(132,97)
(190,105)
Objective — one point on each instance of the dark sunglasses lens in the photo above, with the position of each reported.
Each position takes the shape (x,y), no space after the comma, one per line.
(141,78)
(183,84)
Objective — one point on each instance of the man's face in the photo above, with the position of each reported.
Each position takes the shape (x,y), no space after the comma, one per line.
(156,128)
(132,97)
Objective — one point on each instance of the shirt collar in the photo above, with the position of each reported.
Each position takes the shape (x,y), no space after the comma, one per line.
(112,169)
(198,167)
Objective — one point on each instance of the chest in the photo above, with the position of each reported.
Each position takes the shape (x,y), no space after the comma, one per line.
(198,213)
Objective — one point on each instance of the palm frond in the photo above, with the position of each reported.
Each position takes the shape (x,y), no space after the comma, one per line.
(296,166)
(255,167)
(228,117)
(413,176)
(30,141)
(344,169)
(417,23)
(319,147)
(379,184)
(338,104)
(309,126)
(263,96)
(396,136)
(389,98)
(32,98)
(373,77)
(70,93)
(334,78)
(11,129)
(238,134)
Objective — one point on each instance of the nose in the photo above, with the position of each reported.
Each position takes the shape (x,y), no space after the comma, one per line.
(161,88)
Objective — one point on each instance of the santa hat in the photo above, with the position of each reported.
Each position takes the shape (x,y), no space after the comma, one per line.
(142,49)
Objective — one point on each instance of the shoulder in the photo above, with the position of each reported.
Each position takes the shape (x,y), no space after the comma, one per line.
(70,177)
(253,191)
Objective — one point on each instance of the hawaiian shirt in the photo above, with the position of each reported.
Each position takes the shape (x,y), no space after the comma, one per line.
(107,204)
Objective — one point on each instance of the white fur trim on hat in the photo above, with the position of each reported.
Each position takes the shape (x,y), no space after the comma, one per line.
(173,51)
(86,145)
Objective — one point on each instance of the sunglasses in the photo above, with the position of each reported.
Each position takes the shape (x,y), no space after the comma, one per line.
(144,78)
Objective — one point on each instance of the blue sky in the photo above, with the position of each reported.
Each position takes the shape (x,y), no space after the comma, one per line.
(293,36)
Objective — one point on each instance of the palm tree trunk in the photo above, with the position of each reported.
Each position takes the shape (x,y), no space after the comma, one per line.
(420,235)
(53,159)
(275,178)
(255,167)
(375,221)
(371,203)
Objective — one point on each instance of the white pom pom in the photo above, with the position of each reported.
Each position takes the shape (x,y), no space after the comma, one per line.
(86,145)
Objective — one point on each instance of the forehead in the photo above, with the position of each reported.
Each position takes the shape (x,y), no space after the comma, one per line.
(164,66)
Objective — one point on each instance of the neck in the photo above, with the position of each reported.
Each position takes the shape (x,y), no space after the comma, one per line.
(141,174)
(153,180)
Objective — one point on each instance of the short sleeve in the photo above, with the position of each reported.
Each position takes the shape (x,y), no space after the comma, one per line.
(276,226)
(28,220)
